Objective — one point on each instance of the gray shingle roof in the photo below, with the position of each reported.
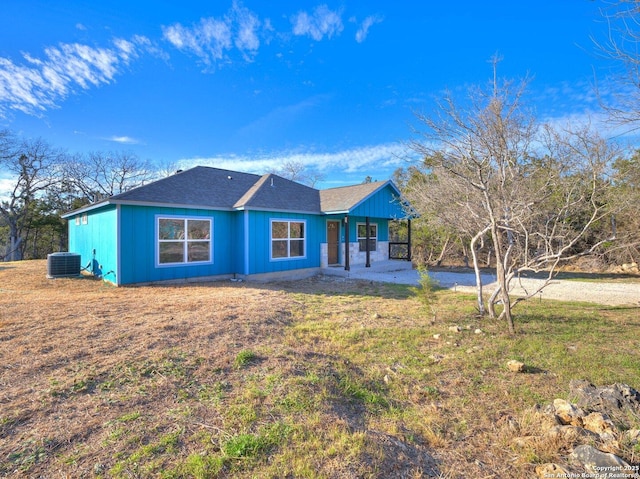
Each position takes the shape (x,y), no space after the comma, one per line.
(207,187)
(277,193)
(199,186)
(345,198)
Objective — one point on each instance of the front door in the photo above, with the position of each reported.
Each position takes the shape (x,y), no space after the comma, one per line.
(333,241)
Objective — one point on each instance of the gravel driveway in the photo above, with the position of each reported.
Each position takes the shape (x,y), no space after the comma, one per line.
(614,294)
(623,294)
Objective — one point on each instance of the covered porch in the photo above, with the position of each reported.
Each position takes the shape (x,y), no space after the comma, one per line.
(358,220)
(364,241)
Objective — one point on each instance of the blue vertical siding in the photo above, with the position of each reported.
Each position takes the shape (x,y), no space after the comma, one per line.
(260,242)
(96,241)
(238,226)
(384,204)
(120,242)
(138,243)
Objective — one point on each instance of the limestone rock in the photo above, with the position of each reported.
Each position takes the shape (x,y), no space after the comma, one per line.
(515,366)
(570,434)
(568,413)
(594,460)
(546,419)
(455,329)
(600,424)
(617,401)
(582,424)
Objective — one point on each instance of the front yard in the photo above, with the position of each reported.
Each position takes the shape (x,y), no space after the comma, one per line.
(317,378)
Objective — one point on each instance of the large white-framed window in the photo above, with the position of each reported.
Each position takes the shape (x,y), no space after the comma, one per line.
(362,236)
(184,240)
(288,239)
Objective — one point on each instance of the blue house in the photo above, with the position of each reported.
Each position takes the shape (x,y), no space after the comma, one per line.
(208,223)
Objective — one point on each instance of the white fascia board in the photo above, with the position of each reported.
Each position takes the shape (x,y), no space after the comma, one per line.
(84,209)
(339,212)
(244,208)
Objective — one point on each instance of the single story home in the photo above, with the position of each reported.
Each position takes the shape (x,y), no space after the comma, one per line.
(207,223)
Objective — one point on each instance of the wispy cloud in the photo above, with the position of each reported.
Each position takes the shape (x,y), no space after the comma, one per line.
(125,140)
(208,40)
(213,38)
(247,27)
(38,84)
(322,22)
(367,23)
(365,160)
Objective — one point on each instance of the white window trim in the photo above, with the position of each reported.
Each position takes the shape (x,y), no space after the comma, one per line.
(85,219)
(358,238)
(271,239)
(183,263)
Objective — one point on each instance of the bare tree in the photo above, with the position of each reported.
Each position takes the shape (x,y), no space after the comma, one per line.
(493,181)
(441,200)
(101,175)
(167,168)
(297,171)
(624,195)
(34,167)
(621,95)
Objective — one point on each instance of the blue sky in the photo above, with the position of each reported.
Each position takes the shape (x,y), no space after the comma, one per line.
(250,85)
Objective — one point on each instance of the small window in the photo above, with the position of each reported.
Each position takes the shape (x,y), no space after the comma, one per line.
(184,240)
(77,220)
(362,236)
(287,239)
(85,219)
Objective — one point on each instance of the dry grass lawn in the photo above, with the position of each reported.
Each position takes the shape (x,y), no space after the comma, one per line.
(315,378)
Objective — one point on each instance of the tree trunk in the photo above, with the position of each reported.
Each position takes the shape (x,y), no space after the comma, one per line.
(465,256)
(442,253)
(34,243)
(504,296)
(476,268)
(14,248)
(491,304)
(501,277)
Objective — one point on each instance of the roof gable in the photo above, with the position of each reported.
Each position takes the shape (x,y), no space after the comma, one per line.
(347,198)
(277,193)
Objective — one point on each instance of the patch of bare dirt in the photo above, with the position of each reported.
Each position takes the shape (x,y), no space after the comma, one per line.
(61,339)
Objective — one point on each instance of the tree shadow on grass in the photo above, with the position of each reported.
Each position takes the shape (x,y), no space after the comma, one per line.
(534,370)
(353,399)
